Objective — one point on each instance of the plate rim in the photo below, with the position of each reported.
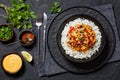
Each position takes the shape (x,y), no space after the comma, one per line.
(102,65)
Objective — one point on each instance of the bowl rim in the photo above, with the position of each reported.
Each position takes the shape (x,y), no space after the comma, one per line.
(5,40)
(8,53)
(21,36)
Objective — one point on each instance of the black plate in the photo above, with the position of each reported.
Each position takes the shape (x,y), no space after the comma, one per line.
(80,67)
(103,39)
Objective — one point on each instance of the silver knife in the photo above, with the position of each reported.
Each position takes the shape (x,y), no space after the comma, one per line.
(44,35)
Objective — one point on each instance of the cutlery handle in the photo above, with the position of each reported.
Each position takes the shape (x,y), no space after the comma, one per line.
(38,44)
(44,43)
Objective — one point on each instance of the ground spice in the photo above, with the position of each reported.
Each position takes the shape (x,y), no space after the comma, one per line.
(27,37)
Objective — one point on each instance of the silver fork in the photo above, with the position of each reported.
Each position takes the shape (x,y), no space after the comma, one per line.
(39,22)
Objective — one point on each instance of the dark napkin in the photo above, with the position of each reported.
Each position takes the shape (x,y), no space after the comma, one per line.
(50,67)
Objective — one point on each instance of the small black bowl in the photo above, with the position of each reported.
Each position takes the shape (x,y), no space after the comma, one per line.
(27,38)
(6,40)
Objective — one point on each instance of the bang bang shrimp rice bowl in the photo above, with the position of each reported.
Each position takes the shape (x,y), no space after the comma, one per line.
(81,38)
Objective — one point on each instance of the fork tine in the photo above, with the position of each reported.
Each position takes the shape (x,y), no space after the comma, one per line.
(39,17)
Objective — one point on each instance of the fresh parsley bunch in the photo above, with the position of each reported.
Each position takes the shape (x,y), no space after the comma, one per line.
(19,14)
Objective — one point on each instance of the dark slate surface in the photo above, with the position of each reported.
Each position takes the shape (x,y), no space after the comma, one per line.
(109,72)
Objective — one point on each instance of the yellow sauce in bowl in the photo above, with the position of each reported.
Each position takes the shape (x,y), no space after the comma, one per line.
(12,63)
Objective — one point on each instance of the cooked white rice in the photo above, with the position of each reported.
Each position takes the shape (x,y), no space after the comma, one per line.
(78,54)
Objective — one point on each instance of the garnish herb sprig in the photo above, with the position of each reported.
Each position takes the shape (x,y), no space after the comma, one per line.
(55,8)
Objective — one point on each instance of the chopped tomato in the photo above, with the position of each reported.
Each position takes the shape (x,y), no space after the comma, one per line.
(71,29)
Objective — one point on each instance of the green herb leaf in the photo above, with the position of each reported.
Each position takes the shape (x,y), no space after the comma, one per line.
(59,10)
(56,4)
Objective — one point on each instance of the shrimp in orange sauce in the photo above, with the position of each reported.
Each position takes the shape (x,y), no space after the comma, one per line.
(81,37)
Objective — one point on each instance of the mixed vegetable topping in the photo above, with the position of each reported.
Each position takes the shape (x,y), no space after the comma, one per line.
(81,37)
